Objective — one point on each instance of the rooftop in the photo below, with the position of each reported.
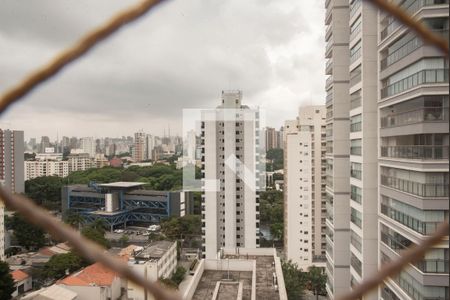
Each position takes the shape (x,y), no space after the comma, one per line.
(121,184)
(19,275)
(227,290)
(95,274)
(154,250)
(54,292)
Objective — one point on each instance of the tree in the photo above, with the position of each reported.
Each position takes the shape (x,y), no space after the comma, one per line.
(178,275)
(7,286)
(175,227)
(123,240)
(60,264)
(96,232)
(276,229)
(27,235)
(294,279)
(73,218)
(45,191)
(317,280)
(275,156)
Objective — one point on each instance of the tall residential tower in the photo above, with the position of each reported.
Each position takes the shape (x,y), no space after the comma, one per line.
(231,172)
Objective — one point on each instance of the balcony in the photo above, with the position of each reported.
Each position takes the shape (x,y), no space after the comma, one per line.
(420,115)
(355,218)
(328,47)
(329,67)
(413,44)
(430,76)
(433,266)
(410,7)
(328,82)
(355,30)
(355,127)
(328,15)
(355,240)
(356,264)
(419,226)
(415,152)
(355,76)
(329,98)
(329,112)
(355,100)
(354,7)
(416,188)
(328,32)
(356,150)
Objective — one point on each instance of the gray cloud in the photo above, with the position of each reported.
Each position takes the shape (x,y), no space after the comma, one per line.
(180,56)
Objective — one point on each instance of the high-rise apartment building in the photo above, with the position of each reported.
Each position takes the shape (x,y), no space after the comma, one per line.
(12,150)
(337,143)
(45,143)
(273,138)
(139,149)
(79,162)
(38,168)
(304,194)
(149,147)
(88,145)
(394,103)
(413,103)
(231,171)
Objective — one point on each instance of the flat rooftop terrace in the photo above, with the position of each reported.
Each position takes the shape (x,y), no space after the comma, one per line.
(228,290)
(265,267)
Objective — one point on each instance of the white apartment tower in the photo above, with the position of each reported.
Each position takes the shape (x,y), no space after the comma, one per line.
(12,150)
(231,171)
(337,143)
(2,231)
(387,147)
(304,195)
(88,146)
(413,116)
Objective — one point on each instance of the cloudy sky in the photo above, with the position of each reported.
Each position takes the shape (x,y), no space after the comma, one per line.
(179,56)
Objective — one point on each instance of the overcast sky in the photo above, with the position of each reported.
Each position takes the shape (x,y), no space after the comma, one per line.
(179,56)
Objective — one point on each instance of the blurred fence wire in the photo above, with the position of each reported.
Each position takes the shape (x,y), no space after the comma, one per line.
(93,252)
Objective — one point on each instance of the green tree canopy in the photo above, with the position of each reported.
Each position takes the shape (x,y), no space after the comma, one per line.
(7,286)
(59,264)
(294,279)
(96,232)
(317,280)
(45,191)
(27,235)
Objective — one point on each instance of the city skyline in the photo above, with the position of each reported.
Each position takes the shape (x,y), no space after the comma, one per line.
(96,95)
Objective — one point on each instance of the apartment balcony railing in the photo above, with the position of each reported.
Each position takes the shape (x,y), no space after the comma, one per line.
(355,56)
(409,7)
(433,266)
(416,188)
(356,174)
(424,228)
(356,150)
(356,197)
(355,31)
(415,152)
(355,220)
(328,32)
(355,101)
(329,98)
(329,66)
(355,127)
(424,114)
(356,264)
(329,181)
(328,82)
(401,52)
(422,77)
(355,242)
(355,76)
(354,7)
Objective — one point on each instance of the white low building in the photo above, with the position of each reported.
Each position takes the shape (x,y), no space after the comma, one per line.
(154,261)
(22,281)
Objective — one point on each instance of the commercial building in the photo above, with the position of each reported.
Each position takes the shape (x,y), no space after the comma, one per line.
(231,174)
(304,194)
(123,203)
(413,141)
(12,150)
(392,95)
(154,261)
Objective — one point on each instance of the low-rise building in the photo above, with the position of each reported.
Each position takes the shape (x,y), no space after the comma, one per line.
(95,282)
(53,292)
(123,203)
(23,282)
(154,261)
(238,273)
